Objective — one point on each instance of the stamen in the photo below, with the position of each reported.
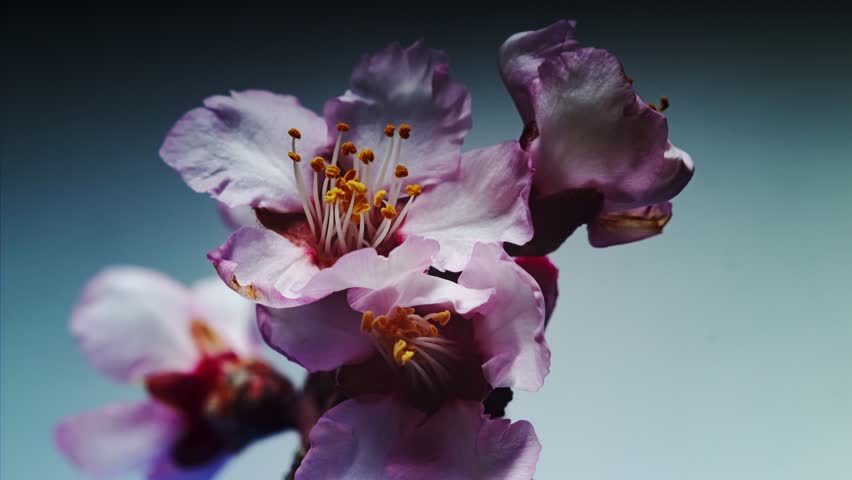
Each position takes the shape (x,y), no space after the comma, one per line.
(664,103)
(404,131)
(388,212)
(342,127)
(400,171)
(296,134)
(367,321)
(377,199)
(392,152)
(300,183)
(332,172)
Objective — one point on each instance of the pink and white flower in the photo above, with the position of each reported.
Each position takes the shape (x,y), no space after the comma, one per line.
(197,352)
(601,154)
(318,198)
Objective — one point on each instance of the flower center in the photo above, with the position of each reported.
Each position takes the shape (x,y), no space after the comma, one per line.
(414,343)
(344,213)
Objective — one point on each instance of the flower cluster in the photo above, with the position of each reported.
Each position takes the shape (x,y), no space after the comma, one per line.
(407,276)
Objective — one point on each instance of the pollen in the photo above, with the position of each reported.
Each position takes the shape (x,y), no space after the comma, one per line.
(318,164)
(389,130)
(333,195)
(413,190)
(366,156)
(402,353)
(294,156)
(348,148)
(389,212)
(377,199)
(356,186)
(404,131)
(342,127)
(440,318)
(361,208)
(332,171)
(400,171)
(295,133)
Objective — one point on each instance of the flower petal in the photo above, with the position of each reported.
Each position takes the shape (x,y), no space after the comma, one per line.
(265,267)
(235,148)
(118,438)
(407,86)
(419,289)
(522,54)
(630,226)
(367,269)
(488,203)
(131,322)
(231,315)
(460,443)
(352,439)
(509,330)
(596,132)
(546,275)
(320,336)
(237,217)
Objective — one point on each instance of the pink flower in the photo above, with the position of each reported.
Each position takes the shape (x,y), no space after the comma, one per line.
(197,353)
(382,167)
(601,154)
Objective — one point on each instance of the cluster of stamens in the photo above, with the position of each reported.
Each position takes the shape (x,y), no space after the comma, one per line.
(407,339)
(341,212)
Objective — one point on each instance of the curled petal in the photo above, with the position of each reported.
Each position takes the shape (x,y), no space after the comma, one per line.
(487,203)
(265,267)
(230,315)
(119,438)
(235,148)
(237,217)
(407,86)
(617,228)
(509,330)
(419,289)
(546,275)
(131,322)
(320,336)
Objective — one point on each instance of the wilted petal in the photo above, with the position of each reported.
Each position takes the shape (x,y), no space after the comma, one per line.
(487,203)
(546,275)
(229,314)
(407,86)
(509,330)
(460,443)
(352,439)
(265,267)
(119,438)
(522,53)
(630,226)
(235,148)
(596,132)
(320,336)
(131,322)
(237,217)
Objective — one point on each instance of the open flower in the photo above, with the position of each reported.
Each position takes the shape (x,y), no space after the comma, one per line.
(601,154)
(197,352)
(383,166)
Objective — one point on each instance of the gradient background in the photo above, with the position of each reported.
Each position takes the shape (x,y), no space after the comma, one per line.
(721,350)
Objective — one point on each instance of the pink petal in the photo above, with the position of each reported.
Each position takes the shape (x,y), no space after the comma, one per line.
(460,443)
(235,148)
(487,203)
(596,132)
(352,439)
(407,86)
(236,217)
(546,275)
(419,289)
(119,438)
(522,54)
(509,330)
(131,322)
(320,336)
(165,469)
(265,267)
(367,269)
(636,224)
(229,314)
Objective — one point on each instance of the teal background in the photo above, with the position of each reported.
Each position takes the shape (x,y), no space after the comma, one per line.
(720,350)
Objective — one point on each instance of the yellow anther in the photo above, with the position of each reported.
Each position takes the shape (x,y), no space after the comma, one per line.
(348,148)
(350,175)
(342,127)
(404,131)
(340,182)
(357,186)
(367,321)
(388,212)
(294,156)
(366,156)
(406,357)
(380,322)
(413,190)
(401,354)
(318,164)
(441,318)
(294,133)
(332,195)
(361,208)
(377,199)
(400,171)
(332,171)
(389,130)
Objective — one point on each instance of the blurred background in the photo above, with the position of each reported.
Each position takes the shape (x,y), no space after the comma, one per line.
(719,350)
